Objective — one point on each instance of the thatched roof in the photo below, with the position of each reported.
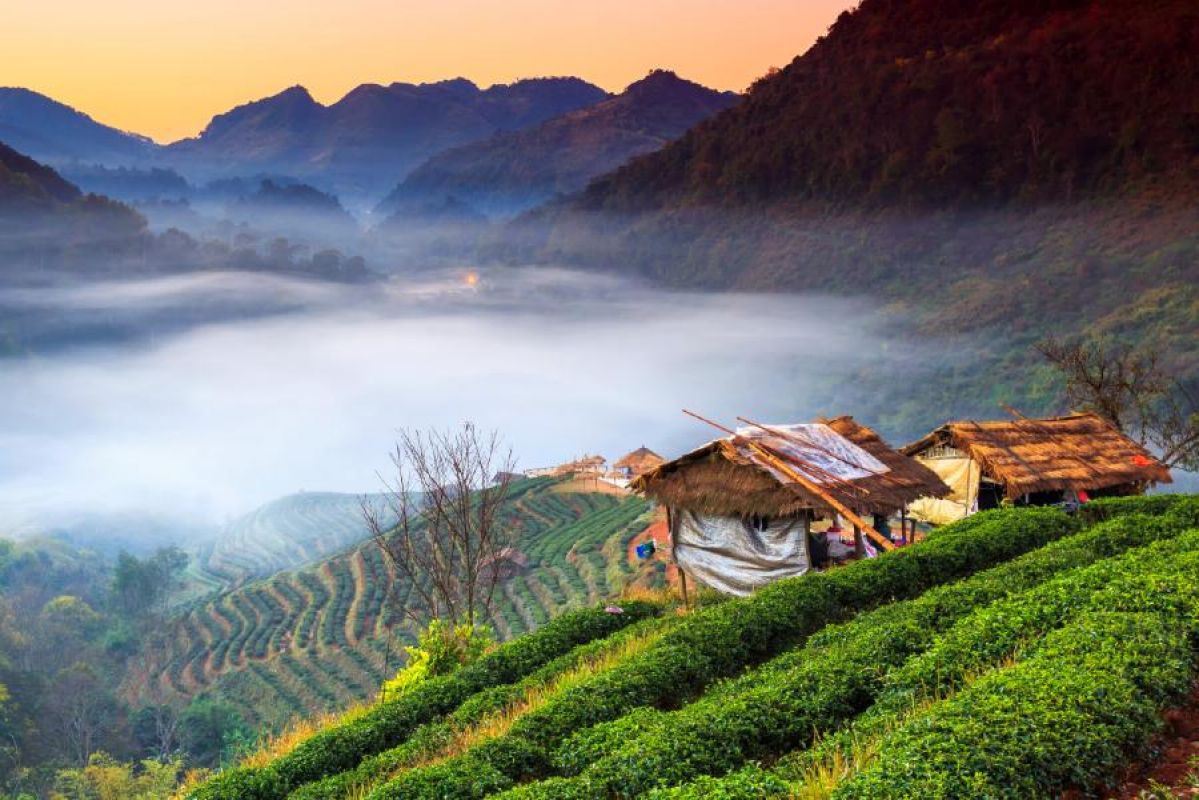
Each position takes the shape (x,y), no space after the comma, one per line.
(726,478)
(1077,452)
(640,460)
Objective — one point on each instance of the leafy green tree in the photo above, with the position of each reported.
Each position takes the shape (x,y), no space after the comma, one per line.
(209,730)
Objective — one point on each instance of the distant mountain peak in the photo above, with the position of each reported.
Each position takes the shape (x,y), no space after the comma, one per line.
(49,130)
(512,171)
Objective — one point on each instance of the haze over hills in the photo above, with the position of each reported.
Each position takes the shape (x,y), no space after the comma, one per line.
(369,139)
(1005,171)
(40,212)
(514,171)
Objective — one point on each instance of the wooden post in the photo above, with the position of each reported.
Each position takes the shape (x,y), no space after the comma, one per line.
(807,536)
(859,545)
(683,583)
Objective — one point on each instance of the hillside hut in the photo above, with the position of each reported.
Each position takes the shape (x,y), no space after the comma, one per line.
(587,465)
(638,462)
(737,521)
(1034,461)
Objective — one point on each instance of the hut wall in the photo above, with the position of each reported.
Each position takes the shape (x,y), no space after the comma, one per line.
(736,556)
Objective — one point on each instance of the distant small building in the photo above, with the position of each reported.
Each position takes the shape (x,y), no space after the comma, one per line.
(638,462)
(1034,461)
(738,521)
(587,465)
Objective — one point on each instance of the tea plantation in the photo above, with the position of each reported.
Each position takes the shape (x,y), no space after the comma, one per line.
(316,639)
(1021,653)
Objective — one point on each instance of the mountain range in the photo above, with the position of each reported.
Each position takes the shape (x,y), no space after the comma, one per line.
(516,170)
(369,139)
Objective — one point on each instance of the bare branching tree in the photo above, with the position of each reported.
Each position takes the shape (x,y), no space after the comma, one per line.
(440,521)
(1134,392)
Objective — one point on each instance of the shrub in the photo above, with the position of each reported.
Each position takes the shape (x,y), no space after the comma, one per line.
(748,783)
(1067,716)
(835,676)
(340,747)
(441,651)
(1105,508)
(717,642)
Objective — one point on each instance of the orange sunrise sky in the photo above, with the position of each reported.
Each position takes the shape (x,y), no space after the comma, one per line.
(163,68)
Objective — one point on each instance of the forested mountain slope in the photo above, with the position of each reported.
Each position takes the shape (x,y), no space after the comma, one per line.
(951,104)
(990,173)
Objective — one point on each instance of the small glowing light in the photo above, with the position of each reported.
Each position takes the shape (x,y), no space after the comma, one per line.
(471,278)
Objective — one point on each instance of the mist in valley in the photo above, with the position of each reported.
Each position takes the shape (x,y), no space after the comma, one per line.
(228,389)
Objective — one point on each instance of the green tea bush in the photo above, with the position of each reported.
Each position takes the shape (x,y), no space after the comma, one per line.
(1067,716)
(341,747)
(720,641)
(1104,508)
(747,783)
(990,633)
(433,736)
(835,676)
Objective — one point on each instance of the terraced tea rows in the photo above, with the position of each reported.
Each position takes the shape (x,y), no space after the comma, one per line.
(284,534)
(317,638)
(1019,653)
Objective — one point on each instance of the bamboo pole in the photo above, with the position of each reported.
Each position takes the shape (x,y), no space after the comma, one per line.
(803,481)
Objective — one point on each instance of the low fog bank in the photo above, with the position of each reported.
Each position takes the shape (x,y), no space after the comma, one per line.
(305,386)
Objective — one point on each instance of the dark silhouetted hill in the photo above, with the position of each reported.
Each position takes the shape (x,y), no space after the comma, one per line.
(26,185)
(945,103)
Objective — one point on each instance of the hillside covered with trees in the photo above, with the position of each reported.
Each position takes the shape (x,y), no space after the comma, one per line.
(948,103)
(990,174)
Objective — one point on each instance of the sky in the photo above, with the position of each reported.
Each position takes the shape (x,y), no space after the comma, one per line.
(163,68)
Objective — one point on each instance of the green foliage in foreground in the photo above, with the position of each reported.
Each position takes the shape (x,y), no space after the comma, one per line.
(837,675)
(431,737)
(1066,716)
(984,593)
(718,642)
(339,748)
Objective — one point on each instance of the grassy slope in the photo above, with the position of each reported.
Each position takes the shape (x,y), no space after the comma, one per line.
(1049,595)
(315,639)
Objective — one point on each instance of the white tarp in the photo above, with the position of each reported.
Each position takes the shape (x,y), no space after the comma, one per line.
(961,474)
(816,444)
(734,556)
